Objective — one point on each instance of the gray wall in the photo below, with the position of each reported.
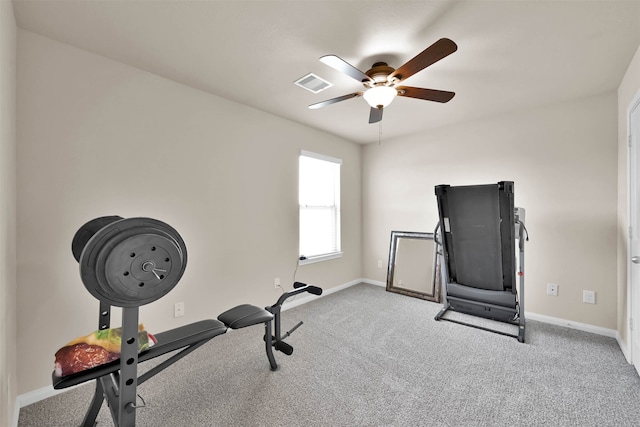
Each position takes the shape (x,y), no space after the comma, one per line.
(8,318)
(563,159)
(97,137)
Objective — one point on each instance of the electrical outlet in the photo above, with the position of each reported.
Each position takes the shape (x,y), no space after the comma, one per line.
(276,283)
(379,263)
(552,289)
(178,309)
(589,297)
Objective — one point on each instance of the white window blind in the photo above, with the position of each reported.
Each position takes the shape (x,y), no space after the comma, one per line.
(319,197)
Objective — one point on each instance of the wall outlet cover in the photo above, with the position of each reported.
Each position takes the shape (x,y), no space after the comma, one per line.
(589,297)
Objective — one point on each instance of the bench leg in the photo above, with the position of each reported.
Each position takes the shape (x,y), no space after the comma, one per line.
(96,404)
(268,339)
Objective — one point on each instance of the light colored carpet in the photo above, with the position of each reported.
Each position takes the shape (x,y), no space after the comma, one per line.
(366,357)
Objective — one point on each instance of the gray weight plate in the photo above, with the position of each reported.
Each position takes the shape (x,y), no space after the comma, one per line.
(87,231)
(133,262)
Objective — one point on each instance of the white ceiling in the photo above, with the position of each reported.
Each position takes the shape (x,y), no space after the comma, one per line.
(512,54)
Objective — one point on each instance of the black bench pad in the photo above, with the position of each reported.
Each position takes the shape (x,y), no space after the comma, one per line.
(173,339)
(244,315)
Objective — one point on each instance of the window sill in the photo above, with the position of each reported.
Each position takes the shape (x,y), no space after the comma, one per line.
(320,258)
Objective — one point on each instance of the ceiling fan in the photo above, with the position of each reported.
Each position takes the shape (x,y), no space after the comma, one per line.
(381,81)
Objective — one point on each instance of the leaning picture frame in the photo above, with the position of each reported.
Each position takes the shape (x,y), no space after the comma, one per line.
(414,265)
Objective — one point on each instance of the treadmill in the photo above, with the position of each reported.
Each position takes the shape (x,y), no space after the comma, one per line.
(478,229)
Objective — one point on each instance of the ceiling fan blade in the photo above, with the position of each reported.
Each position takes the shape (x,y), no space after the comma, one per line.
(343,66)
(426,94)
(334,100)
(434,53)
(375,115)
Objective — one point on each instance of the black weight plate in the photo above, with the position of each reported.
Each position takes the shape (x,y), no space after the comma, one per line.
(103,263)
(94,270)
(87,231)
(143,267)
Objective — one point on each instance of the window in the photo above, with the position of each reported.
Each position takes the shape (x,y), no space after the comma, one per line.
(319,197)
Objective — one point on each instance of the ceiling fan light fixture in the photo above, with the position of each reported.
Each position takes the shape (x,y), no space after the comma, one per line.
(379,96)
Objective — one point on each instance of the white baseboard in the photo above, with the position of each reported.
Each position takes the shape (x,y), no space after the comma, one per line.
(34,396)
(38,395)
(374,282)
(571,324)
(584,327)
(552,320)
(557,321)
(624,347)
(308,298)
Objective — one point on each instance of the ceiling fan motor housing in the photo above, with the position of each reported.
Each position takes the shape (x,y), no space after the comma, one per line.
(379,73)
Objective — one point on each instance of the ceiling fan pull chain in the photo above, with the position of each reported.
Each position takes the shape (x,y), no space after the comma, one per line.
(380,132)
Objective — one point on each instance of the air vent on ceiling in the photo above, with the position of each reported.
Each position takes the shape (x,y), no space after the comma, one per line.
(313,83)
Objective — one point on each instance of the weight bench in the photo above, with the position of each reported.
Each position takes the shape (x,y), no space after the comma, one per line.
(111,251)
(478,230)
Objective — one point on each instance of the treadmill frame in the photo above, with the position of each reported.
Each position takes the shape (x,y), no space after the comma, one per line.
(444,253)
